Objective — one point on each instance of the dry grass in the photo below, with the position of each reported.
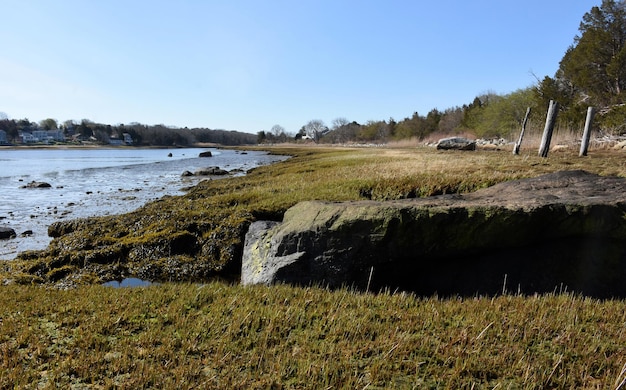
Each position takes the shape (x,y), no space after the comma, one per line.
(219,336)
(209,223)
(222,336)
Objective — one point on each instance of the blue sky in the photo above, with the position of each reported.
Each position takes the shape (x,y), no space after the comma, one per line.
(248,65)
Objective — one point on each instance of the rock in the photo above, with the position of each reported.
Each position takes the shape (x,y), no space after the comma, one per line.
(564,229)
(187,174)
(620,145)
(205,154)
(169,155)
(37,184)
(6,233)
(27,233)
(211,171)
(456,143)
(558,148)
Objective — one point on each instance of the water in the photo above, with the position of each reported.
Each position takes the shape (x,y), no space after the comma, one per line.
(95,182)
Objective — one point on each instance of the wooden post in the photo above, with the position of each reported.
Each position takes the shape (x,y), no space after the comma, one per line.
(584,146)
(553,110)
(521,134)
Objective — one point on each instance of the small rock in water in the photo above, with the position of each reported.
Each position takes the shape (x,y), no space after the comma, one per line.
(169,155)
(205,154)
(26,233)
(217,171)
(37,184)
(6,233)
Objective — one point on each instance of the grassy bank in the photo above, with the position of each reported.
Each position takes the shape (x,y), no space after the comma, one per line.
(219,336)
(200,235)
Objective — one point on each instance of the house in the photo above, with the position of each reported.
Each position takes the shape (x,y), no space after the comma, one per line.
(40,135)
(56,135)
(28,138)
(128,140)
(3,137)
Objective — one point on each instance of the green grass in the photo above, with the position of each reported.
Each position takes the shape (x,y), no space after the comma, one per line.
(221,336)
(199,236)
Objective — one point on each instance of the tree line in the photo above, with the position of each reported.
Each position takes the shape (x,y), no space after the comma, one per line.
(592,72)
(87,131)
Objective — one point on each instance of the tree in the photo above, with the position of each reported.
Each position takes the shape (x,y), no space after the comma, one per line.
(315,129)
(450,120)
(278,133)
(595,65)
(278,130)
(48,124)
(504,114)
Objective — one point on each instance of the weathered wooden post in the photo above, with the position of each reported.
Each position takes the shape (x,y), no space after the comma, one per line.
(584,146)
(553,110)
(521,134)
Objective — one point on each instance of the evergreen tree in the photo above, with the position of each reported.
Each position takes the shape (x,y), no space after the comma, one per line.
(595,66)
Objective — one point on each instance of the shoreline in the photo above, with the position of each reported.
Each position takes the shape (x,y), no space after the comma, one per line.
(106,147)
(79,194)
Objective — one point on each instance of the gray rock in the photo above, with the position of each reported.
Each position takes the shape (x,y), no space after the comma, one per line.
(6,233)
(564,229)
(254,269)
(211,171)
(186,174)
(205,154)
(456,143)
(37,184)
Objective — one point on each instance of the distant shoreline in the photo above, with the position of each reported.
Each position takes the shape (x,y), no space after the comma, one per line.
(96,146)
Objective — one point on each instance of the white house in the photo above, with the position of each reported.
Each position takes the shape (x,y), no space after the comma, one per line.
(28,138)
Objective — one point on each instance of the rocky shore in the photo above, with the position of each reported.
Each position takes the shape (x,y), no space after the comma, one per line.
(532,234)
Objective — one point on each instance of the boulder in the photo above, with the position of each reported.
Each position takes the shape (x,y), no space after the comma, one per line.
(6,233)
(456,143)
(205,154)
(37,184)
(564,230)
(211,171)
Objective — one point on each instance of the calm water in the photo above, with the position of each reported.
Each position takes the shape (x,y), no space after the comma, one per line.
(91,182)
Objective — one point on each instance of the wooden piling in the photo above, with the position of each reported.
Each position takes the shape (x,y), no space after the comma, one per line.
(553,110)
(521,134)
(584,146)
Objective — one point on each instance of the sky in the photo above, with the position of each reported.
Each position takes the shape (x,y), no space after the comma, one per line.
(248,65)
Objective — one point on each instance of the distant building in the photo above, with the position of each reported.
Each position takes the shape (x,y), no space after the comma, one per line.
(114,140)
(28,138)
(3,137)
(40,135)
(43,136)
(56,135)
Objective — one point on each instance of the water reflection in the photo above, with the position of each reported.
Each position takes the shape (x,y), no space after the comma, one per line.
(128,282)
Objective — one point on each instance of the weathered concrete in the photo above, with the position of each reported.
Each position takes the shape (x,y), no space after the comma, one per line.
(562,230)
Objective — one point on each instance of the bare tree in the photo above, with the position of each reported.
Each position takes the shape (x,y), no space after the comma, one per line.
(278,130)
(315,129)
(340,122)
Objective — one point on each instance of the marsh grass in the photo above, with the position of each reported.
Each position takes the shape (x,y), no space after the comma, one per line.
(218,335)
(200,235)
(222,336)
